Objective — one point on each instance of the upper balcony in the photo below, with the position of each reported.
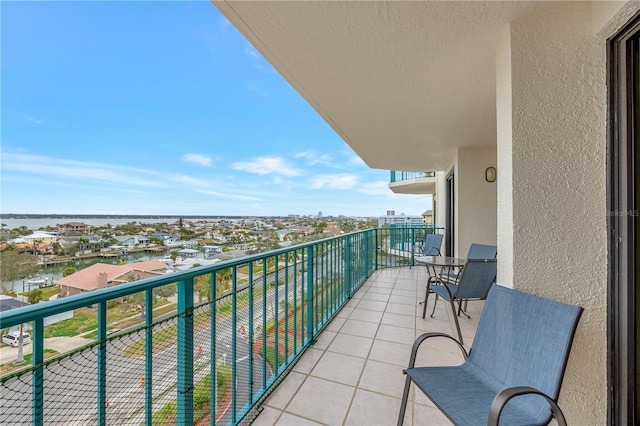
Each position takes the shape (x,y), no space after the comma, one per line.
(413,182)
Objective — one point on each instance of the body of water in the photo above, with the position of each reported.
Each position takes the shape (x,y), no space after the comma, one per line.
(37,223)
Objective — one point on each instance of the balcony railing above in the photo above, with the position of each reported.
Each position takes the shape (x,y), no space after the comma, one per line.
(212,361)
(412,182)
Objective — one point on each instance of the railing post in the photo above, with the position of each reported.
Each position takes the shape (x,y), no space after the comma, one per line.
(148,360)
(102,363)
(347,260)
(310,295)
(375,248)
(185,352)
(37,408)
(213,360)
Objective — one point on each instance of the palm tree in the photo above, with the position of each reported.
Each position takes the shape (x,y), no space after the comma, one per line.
(20,358)
(223,281)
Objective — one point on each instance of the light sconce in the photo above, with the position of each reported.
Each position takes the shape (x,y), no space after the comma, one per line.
(490,174)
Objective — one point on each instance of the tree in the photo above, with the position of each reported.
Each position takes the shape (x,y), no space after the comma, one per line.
(15,265)
(203,287)
(68,271)
(56,248)
(174,255)
(223,281)
(320,227)
(35,296)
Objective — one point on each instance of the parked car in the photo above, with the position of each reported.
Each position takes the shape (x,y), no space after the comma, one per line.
(12,339)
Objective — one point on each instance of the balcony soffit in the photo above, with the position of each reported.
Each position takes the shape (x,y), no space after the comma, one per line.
(403,83)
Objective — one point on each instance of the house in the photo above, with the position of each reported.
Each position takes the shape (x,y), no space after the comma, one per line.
(74,228)
(524,111)
(39,237)
(428,216)
(7,303)
(102,275)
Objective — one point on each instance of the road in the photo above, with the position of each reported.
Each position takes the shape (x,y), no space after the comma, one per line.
(70,396)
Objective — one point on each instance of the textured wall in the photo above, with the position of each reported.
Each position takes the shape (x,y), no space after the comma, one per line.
(476,198)
(505,161)
(558,149)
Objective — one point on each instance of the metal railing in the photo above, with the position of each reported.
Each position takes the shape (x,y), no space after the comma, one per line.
(208,361)
(397,176)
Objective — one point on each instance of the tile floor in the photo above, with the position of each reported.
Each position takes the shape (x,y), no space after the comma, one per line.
(353,374)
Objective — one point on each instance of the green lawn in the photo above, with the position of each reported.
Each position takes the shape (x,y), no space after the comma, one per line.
(12,366)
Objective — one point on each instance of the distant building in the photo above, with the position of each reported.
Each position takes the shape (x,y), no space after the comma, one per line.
(74,228)
(392,219)
(428,216)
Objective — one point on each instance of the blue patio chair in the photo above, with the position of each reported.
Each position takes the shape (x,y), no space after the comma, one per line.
(476,251)
(476,279)
(430,246)
(514,371)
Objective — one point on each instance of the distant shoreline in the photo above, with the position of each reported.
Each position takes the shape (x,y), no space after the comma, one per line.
(116,216)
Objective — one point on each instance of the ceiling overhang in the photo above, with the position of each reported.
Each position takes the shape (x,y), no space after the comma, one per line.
(403,83)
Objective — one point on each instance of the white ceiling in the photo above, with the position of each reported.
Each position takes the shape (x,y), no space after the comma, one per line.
(403,83)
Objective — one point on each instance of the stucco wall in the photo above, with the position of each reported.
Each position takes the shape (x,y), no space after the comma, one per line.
(476,198)
(504,160)
(558,162)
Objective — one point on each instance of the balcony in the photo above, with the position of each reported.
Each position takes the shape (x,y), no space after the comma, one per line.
(336,315)
(413,182)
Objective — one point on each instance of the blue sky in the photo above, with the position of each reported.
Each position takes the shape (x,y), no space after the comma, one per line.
(164,108)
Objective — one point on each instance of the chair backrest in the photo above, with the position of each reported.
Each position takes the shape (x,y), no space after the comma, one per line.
(524,340)
(476,279)
(482,251)
(432,244)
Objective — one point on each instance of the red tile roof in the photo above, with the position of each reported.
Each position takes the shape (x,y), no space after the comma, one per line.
(87,278)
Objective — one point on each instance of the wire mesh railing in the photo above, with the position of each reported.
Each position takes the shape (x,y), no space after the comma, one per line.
(202,346)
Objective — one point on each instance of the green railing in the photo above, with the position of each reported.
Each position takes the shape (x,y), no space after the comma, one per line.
(397,176)
(207,361)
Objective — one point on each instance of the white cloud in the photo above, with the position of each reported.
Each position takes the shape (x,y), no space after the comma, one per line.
(357,161)
(255,89)
(229,196)
(379,187)
(203,160)
(29,118)
(337,181)
(312,158)
(267,165)
(82,171)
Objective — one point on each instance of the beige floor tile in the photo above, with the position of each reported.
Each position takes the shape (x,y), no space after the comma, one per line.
(397,308)
(380,290)
(351,345)
(308,361)
(373,409)
(324,339)
(425,415)
(288,419)
(378,297)
(405,300)
(383,378)
(359,328)
(267,417)
(336,324)
(339,368)
(372,305)
(366,315)
(323,401)
(392,333)
(408,321)
(390,352)
(287,389)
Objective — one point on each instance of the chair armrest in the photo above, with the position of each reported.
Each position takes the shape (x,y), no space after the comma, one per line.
(505,395)
(425,336)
